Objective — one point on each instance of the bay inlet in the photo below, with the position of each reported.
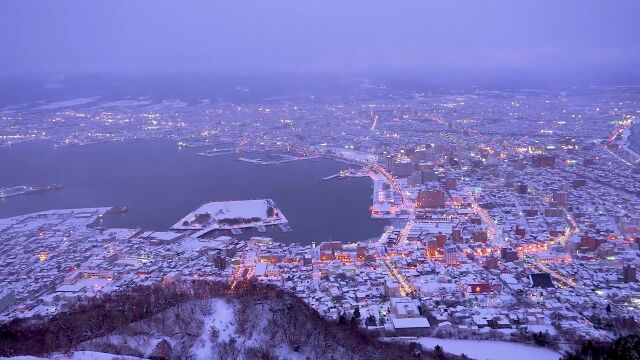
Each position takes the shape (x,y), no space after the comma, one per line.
(160,183)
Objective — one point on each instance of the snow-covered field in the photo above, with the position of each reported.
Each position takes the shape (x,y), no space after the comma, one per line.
(68,103)
(124,103)
(490,350)
(351,154)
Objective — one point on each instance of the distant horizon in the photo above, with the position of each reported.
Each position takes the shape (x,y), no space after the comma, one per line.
(20,89)
(561,76)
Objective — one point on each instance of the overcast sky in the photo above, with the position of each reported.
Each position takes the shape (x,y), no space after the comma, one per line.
(264,36)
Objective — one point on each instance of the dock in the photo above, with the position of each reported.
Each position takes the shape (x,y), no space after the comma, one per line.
(331,176)
(285,227)
(23,189)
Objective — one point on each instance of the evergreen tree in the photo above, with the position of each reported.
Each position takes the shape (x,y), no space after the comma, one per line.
(416,350)
(438,352)
(162,351)
(342,320)
(625,348)
(354,322)
(541,339)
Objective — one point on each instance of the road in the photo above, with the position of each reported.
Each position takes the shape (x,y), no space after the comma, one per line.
(405,288)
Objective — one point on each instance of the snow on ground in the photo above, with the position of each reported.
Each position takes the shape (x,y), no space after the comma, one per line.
(78,355)
(229,209)
(165,104)
(141,337)
(353,154)
(490,350)
(124,103)
(222,318)
(68,103)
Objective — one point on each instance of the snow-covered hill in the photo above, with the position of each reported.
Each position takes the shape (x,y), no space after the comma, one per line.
(199,321)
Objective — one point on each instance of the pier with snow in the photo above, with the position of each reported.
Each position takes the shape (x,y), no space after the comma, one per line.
(233,216)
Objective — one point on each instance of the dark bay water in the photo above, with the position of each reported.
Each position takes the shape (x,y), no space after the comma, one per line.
(634,138)
(161,183)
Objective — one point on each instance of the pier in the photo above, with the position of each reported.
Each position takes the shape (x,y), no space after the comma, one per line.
(22,190)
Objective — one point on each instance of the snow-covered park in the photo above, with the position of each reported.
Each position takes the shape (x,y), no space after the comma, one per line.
(219,215)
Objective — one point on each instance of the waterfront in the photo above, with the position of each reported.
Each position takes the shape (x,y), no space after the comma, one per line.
(634,138)
(161,183)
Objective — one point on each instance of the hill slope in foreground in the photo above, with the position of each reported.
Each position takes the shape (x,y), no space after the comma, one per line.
(198,320)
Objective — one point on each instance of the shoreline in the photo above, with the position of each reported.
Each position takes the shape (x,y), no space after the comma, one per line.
(631,140)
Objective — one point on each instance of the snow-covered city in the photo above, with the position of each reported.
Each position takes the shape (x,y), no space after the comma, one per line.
(495,236)
(363,180)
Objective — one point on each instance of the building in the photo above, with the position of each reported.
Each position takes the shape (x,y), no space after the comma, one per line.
(419,156)
(451,255)
(388,162)
(578,183)
(508,254)
(480,236)
(588,242)
(450,184)
(441,240)
(431,199)
(219,261)
(164,237)
(522,188)
(560,198)
(411,326)
(479,288)
(546,161)
(629,273)
(491,263)
(391,288)
(432,247)
(456,235)
(402,168)
(605,251)
(429,175)
(331,246)
(415,179)
(403,308)
(541,280)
